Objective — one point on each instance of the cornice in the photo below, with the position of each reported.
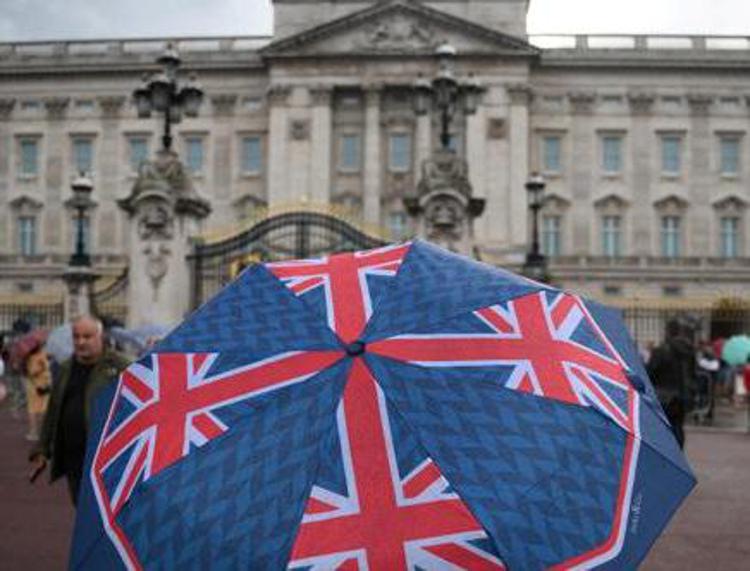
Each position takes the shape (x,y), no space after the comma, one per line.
(224,104)
(56,107)
(111,105)
(6,107)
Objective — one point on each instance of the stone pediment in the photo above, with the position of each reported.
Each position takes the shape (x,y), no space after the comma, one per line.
(397,27)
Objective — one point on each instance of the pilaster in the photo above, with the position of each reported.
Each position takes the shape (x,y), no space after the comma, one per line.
(278,96)
(373,167)
(320,168)
(516,216)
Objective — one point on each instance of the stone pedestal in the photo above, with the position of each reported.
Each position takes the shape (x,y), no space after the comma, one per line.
(164,211)
(443,205)
(79,281)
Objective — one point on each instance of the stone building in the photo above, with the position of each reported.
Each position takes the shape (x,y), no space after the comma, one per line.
(642,140)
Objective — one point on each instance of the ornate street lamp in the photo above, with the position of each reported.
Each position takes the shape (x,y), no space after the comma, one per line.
(446,93)
(535,265)
(162,93)
(82,203)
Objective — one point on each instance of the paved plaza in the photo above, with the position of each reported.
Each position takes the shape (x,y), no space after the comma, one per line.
(711,530)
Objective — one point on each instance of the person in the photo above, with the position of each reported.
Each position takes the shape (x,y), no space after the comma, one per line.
(62,442)
(706,377)
(38,387)
(671,367)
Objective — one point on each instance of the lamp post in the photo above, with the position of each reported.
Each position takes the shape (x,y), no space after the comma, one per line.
(82,203)
(163,93)
(535,265)
(446,93)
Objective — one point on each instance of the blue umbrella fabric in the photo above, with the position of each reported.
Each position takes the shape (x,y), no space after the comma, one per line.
(400,408)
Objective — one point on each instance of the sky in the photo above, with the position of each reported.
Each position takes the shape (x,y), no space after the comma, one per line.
(26,20)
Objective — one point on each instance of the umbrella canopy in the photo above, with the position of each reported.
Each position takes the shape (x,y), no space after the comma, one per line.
(25,345)
(736,350)
(139,337)
(60,342)
(401,408)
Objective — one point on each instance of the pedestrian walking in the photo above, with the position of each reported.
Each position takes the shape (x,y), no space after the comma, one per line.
(63,438)
(38,387)
(671,367)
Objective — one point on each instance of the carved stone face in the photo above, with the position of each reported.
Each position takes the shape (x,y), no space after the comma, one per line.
(155,222)
(444,215)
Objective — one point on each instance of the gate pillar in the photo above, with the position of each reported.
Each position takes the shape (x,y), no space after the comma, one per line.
(164,211)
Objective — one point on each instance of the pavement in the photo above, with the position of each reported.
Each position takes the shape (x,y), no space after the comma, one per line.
(710,531)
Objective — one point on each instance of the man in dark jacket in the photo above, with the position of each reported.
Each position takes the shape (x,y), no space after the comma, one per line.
(66,424)
(671,367)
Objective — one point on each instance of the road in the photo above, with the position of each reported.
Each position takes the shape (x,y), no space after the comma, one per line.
(710,531)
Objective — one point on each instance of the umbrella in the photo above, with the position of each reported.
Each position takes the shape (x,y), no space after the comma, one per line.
(60,342)
(25,345)
(397,408)
(736,350)
(139,337)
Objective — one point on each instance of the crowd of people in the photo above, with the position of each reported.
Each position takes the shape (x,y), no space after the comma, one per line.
(691,377)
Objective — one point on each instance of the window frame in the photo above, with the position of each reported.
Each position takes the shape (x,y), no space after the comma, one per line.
(409,149)
(666,233)
(27,241)
(619,137)
(22,173)
(244,139)
(340,164)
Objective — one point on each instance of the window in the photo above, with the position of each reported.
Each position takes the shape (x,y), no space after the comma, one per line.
(398,225)
(612,154)
(729,156)
(730,230)
(670,236)
(194,154)
(551,154)
(551,238)
(29,157)
(670,154)
(138,152)
(399,152)
(350,152)
(27,235)
(252,155)
(455,142)
(611,235)
(83,155)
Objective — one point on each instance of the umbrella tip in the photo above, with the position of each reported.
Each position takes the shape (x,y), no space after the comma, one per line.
(355,348)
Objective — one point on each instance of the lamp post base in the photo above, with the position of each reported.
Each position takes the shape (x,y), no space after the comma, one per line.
(535,268)
(79,281)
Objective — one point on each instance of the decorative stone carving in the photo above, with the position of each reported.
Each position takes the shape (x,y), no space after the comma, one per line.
(155,222)
(6,107)
(320,95)
(700,103)
(519,94)
(299,129)
(641,103)
(224,104)
(582,102)
(111,105)
(56,107)
(157,264)
(496,128)
(278,94)
(399,34)
(443,205)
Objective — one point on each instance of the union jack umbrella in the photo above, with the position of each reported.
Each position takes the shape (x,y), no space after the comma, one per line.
(399,408)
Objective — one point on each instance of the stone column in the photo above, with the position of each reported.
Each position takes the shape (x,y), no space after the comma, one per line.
(373,162)
(424,139)
(56,148)
(640,219)
(107,179)
(223,130)
(476,147)
(165,213)
(697,233)
(79,282)
(585,162)
(320,167)
(277,141)
(516,216)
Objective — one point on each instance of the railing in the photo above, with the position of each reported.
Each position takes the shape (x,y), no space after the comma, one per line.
(37,311)
(110,303)
(135,46)
(661,42)
(651,262)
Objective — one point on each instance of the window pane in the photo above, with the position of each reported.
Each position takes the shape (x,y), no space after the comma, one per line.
(670,236)
(400,152)
(398,225)
(349,159)
(83,155)
(29,157)
(27,235)
(730,156)
(670,154)
(551,160)
(252,158)
(194,154)
(138,152)
(611,235)
(730,236)
(612,150)
(551,239)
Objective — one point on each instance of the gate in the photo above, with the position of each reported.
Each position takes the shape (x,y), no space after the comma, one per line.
(287,236)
